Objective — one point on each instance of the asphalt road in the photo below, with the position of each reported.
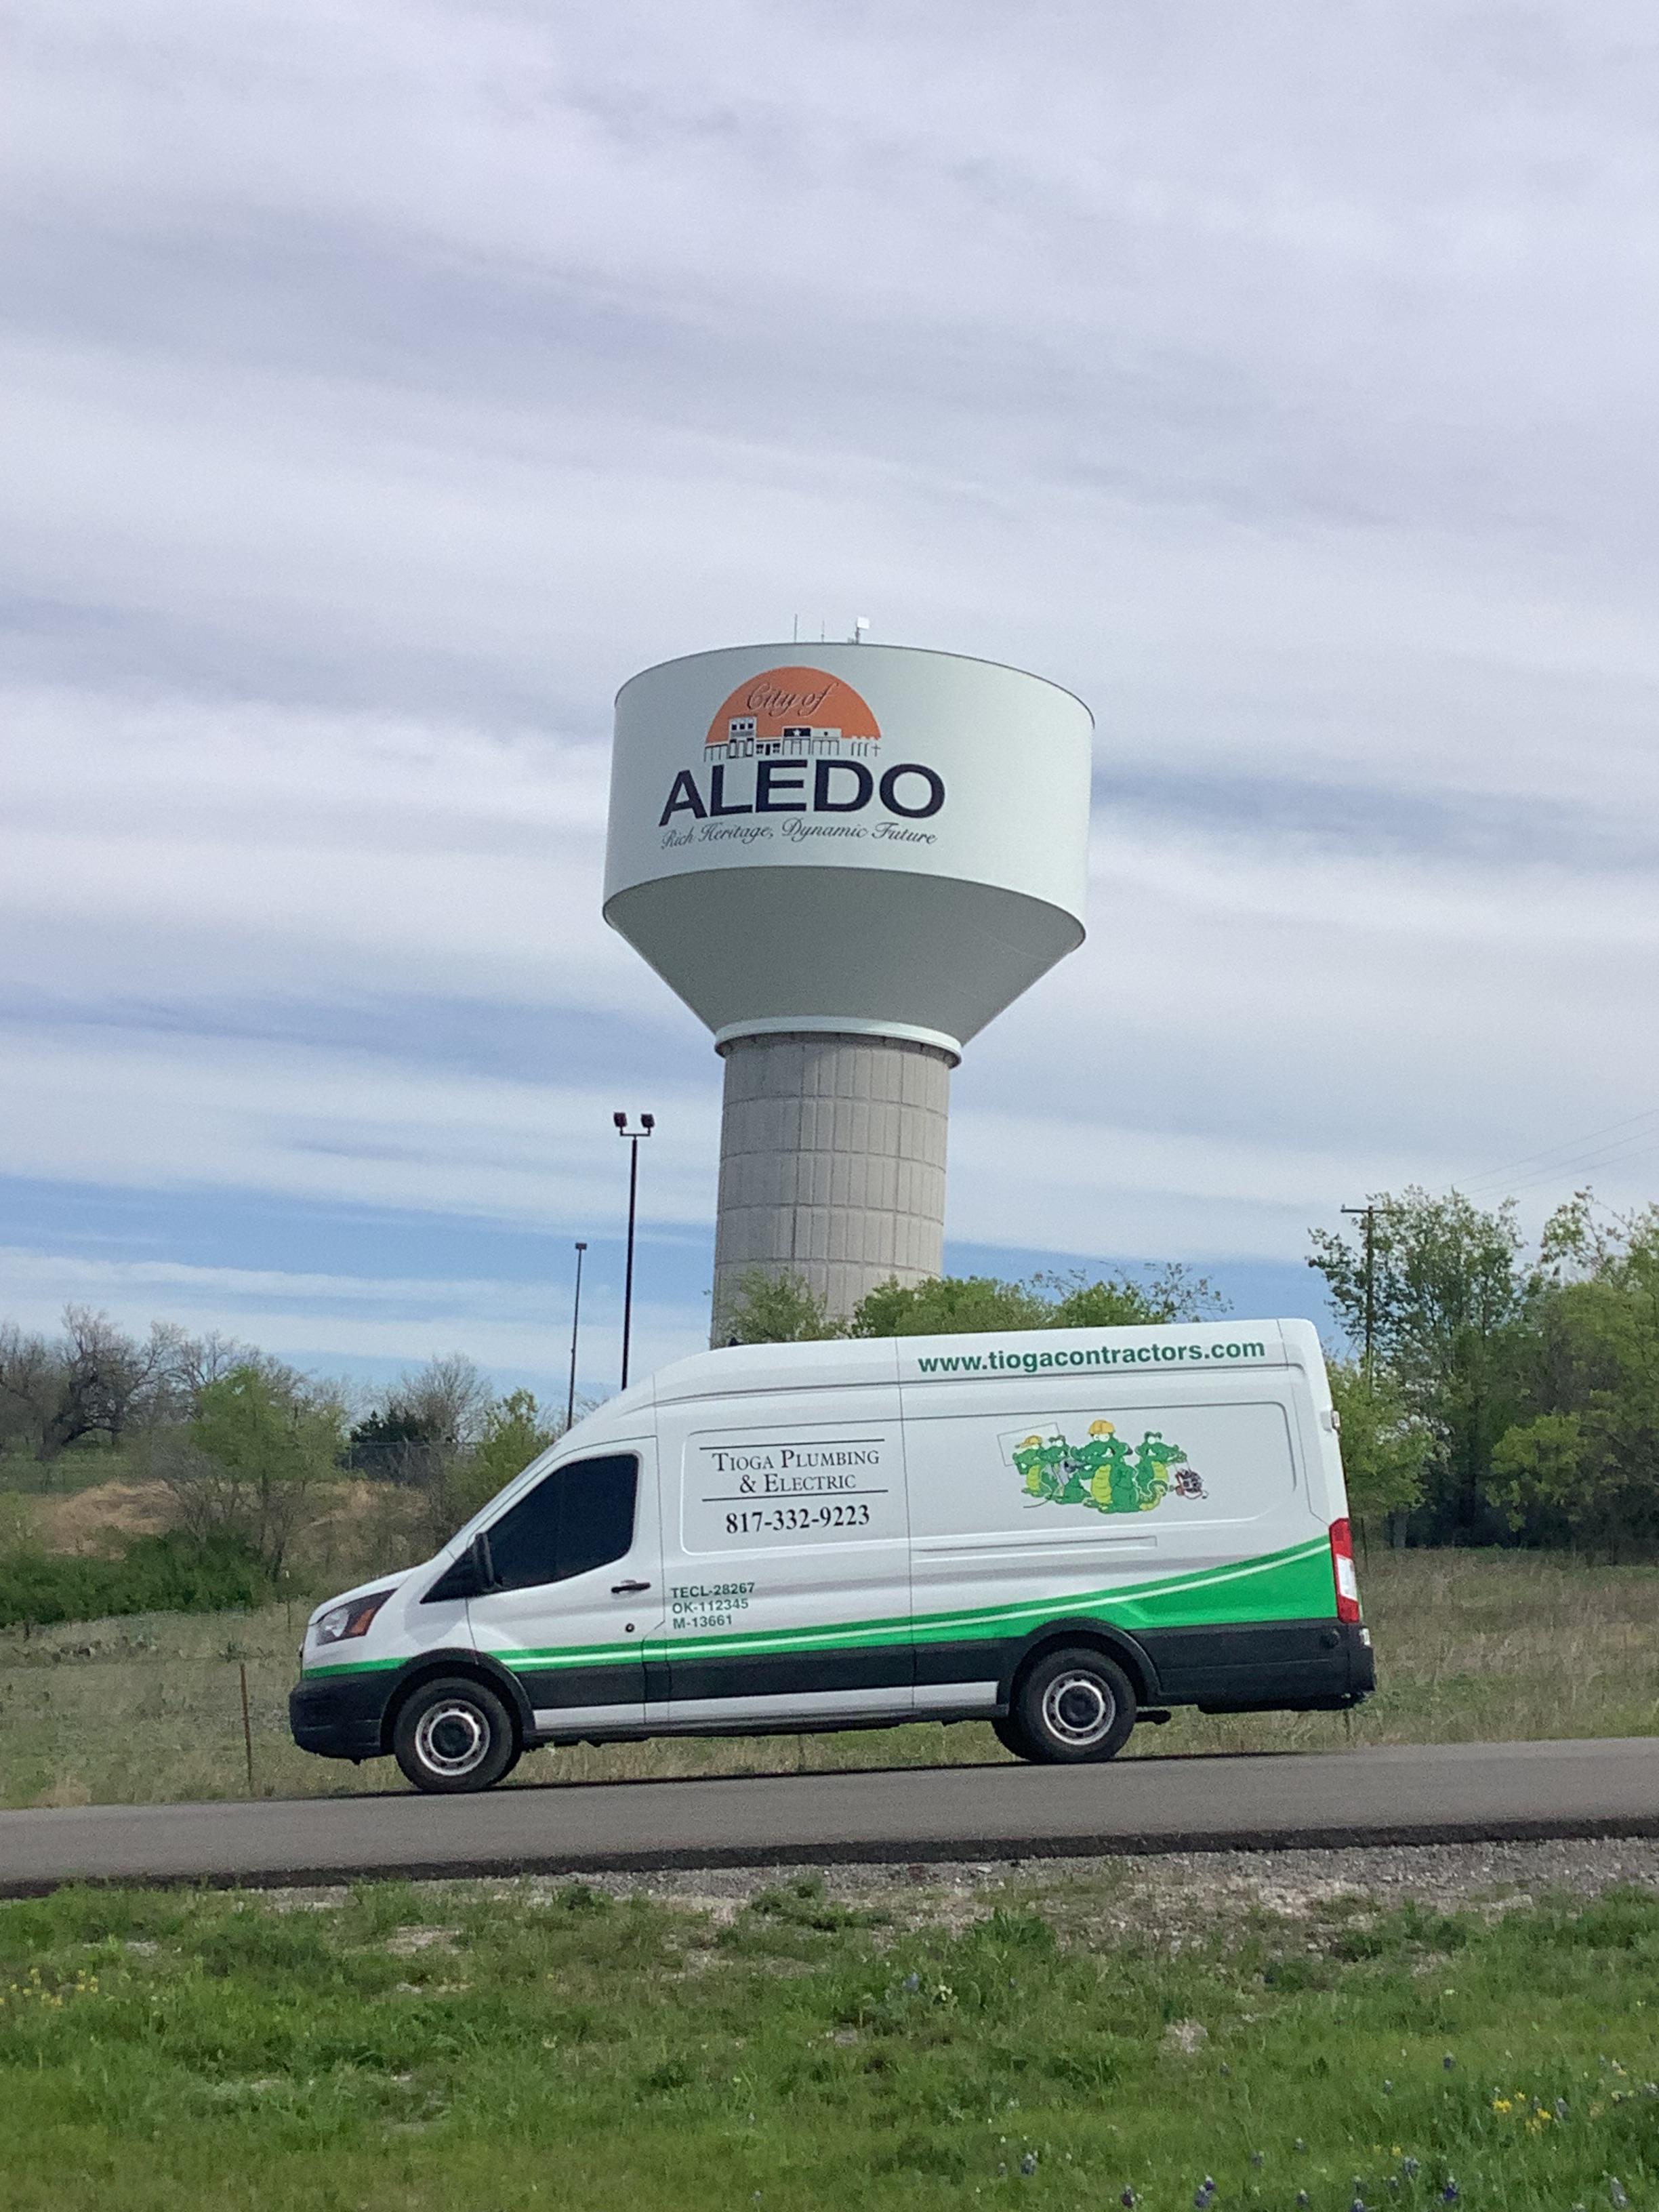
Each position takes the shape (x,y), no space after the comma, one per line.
(1399,1794)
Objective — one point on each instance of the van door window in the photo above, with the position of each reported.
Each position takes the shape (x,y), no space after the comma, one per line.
(579,1517)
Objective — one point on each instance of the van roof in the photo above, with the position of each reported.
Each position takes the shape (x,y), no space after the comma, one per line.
(1180,1346)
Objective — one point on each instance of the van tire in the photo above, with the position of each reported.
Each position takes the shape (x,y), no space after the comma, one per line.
(1071,1707)
(1012,1737)
(454,1734)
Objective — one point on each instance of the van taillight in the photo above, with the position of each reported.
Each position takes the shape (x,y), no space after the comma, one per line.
(1347,1582)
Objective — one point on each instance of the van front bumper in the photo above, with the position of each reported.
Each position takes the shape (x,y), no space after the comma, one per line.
(340,1717)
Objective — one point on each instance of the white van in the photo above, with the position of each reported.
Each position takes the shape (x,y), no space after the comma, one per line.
(1061,1533)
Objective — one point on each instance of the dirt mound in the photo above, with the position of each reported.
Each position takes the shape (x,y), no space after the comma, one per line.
(114,1512)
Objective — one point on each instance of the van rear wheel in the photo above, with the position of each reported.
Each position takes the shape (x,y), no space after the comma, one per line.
(1071,1707)
(453,1734)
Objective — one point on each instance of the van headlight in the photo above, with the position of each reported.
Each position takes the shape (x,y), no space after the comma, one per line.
(341,1622)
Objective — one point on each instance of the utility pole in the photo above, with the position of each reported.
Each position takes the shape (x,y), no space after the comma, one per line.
(1368,1214)
(576,1323)
(648,1123)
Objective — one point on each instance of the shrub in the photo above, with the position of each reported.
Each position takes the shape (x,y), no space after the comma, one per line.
(156,1574)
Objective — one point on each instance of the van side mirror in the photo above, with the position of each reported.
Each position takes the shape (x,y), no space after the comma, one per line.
(470,1576)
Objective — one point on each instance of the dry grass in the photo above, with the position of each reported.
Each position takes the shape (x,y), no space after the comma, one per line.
(1471,1646)
(353,1527)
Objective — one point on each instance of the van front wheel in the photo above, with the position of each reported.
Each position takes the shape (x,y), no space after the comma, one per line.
(1071,1707)
(454,1735)
(1013,1738)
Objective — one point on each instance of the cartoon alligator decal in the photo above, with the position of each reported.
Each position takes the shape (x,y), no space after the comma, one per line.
(1107,1474)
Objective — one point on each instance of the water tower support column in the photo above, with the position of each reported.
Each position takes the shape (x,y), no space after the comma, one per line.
(832,1162)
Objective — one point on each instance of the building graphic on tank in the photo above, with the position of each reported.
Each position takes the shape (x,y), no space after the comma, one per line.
(862,862)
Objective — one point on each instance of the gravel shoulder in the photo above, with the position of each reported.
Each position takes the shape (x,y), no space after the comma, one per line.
(1184,1891)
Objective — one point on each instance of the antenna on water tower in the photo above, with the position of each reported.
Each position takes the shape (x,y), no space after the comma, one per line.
(859,629)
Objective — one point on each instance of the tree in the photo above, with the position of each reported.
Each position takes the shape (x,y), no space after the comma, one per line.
(248,1464)
(1448,1300)
(784,1309)
(1581,1464)
(774,1309)
(450,1398)
(96,1382)
(515,1432)
(424,1423)
(949,1305)
(1171,1293)
(30,1384)
(1386,1448)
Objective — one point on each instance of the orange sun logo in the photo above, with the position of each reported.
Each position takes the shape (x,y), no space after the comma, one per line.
(793,714)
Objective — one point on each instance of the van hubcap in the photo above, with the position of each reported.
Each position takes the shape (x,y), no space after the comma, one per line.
(453,1738)
(1079,1710)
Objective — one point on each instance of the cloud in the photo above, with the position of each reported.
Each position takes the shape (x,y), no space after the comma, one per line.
(362,1322)
(112,1108)
(389,383)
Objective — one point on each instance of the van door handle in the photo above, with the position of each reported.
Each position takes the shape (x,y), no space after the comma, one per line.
(625,1589)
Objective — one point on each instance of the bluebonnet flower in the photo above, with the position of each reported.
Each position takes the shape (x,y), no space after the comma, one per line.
(1408,2168)
(1028,2163)
(1299,2144)
(913,1981)
(1616,2189)
(1451,2192)
(1255,2158)
(1128,2197)
(1303,2199)
(1448,2062)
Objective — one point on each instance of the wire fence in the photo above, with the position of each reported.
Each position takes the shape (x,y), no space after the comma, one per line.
(136,1723)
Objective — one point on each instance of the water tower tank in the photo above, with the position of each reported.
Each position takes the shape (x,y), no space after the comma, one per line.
(846,860)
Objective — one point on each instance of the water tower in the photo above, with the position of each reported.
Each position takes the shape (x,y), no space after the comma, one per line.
(846,860)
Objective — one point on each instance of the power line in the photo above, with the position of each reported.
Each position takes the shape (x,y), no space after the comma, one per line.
(1612,1159)
(1547,1164)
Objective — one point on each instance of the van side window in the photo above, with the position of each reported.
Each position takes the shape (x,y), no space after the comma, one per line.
(579,1517)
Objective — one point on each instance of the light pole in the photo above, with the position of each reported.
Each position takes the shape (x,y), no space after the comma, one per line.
(576,1323)
(648,1123)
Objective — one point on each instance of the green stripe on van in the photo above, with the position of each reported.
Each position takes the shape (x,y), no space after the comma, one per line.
(1290,1585)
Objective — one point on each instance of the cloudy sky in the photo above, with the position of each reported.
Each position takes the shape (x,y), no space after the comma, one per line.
(388,382)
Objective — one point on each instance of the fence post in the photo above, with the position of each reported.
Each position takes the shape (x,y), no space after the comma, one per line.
(247,1725)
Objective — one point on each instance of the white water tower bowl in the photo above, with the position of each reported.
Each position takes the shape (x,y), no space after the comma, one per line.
(846,860)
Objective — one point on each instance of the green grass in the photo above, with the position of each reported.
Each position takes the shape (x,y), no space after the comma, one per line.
(1471,1646)
(520,2046)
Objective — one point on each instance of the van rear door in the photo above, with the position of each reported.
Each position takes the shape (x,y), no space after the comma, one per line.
(786,1558)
